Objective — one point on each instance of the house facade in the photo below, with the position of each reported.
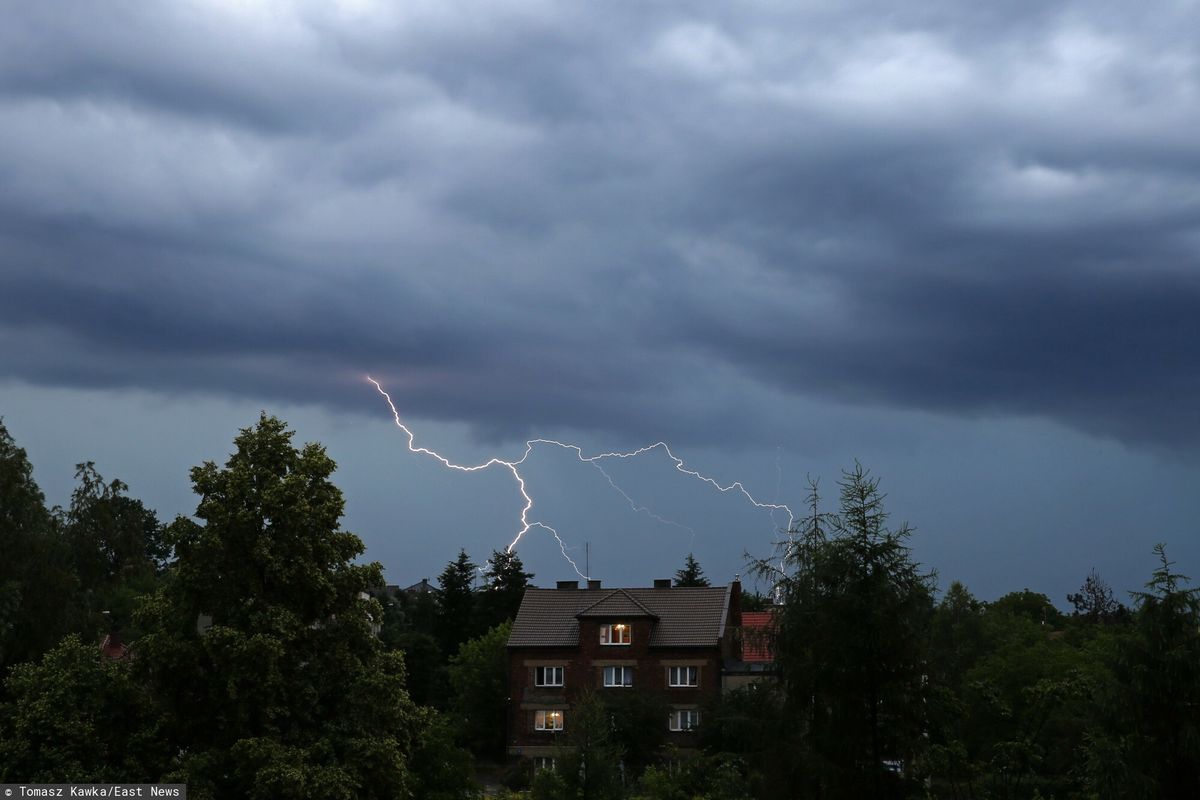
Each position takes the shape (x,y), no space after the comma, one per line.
(671,642)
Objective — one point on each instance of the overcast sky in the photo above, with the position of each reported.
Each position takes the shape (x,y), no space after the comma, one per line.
(958,242)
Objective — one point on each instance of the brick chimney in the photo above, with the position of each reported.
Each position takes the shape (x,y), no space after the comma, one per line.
(662,583)
(735,602)
(593,584)
(731,642)
(568,585)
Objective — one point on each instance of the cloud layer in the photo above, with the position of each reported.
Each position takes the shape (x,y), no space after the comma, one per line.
(528,215)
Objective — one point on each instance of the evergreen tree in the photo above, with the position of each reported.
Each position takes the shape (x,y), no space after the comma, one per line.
(457,620)
(504,584)
(851,644)
(1150,744)
(691,574)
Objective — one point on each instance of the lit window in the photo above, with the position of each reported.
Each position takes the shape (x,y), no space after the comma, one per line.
(547,676)
(685,719)
(616,633)
(547,720)
(618,676)
(683,676)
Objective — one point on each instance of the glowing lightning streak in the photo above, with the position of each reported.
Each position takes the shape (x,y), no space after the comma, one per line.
(512,466)
(642,509)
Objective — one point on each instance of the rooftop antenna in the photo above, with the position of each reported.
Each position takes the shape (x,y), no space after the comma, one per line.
(587,558)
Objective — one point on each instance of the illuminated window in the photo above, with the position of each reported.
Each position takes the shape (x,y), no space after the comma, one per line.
(547,720)
(616,633)
(547,676)
(618,676)
(685,719)
(683,676)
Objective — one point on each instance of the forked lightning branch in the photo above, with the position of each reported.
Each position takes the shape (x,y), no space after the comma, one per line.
(526,523)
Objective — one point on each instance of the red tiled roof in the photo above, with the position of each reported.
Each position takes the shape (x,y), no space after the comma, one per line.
(756,632)
(112,647)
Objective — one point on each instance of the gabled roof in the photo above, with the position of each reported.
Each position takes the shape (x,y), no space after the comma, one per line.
(684,616)
(618,603)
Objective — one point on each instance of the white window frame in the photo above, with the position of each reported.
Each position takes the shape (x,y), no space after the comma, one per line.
(678,716)
(612,634)
(544,719)
(547,763)
(626,677)
(677,677)
(540,673)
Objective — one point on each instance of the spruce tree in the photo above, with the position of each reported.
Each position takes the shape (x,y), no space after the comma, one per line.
(851,645)
(691,574)
(457,618)
(504,585)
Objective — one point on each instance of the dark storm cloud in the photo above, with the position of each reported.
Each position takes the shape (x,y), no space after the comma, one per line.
(525,215)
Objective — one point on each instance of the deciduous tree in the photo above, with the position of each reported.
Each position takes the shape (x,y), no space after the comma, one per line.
(39,591)
(76,716)
(1095,602)
(289,693)
(479,677)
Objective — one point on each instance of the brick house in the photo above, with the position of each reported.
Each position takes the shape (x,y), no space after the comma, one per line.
(670,641)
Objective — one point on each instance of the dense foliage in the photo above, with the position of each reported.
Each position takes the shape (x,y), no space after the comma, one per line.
(255,671)
(248,653)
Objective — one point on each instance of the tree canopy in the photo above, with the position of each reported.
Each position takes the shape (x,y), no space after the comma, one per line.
(851,642)
(39,590)
(289,692)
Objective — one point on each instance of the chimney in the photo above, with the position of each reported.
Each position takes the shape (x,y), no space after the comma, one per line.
(593,584)
(568,585)
(735,602)
(733,642)
(662,583)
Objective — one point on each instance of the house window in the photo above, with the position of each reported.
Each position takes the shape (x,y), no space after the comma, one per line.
(618,676)
(547,720)
(685,719)
(547,676)
(683,676)
(543,763)
(616,633)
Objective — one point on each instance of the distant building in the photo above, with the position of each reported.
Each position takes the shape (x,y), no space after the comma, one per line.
(422,586)
(670,641)
(756,659)
(112,647)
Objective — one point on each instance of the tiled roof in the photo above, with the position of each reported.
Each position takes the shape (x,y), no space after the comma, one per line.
(687,616)
(617,603)
(756,644)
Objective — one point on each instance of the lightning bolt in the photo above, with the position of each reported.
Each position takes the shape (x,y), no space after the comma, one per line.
(514,468)
(643,509)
